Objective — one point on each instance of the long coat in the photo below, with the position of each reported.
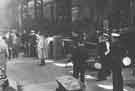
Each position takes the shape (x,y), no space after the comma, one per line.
(41,47)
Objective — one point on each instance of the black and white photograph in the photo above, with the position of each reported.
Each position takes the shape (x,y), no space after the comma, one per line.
(67,45)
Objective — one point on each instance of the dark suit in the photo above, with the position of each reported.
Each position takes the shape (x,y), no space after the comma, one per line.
(114,63)
(79,55)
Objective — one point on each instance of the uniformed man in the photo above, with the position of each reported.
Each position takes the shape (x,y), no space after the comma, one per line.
(113,62)
(114,56)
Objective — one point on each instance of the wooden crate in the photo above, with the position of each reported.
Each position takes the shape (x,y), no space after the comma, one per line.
(68,83)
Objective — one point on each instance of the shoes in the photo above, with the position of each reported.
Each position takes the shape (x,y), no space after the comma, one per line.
(42,64)
(84,86)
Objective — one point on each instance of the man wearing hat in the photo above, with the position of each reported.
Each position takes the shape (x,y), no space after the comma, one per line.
(113,61)
(115,64)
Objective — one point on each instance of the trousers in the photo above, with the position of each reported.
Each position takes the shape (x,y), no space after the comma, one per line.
(115,65)
(79,70)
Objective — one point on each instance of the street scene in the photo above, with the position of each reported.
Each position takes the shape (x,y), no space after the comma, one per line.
(67,45)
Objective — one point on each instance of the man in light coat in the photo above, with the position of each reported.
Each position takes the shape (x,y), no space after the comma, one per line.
(41,49)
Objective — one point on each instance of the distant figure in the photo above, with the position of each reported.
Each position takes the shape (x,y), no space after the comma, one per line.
(41,49)
(33,43)
(4,45)
(17,44)
(9,41)
(24,39)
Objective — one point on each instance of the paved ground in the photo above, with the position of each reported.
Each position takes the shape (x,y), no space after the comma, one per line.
(32,77)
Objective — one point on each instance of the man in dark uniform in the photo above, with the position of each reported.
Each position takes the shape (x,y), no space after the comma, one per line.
(116,54)
(113,61)
(79,55)
(113,56)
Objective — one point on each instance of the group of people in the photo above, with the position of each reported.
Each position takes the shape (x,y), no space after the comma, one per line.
(29,41)
(12,39)
(110,52)
(15,41)
(36,45)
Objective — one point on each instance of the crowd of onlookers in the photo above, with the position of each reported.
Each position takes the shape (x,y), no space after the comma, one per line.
(12,40)
(32,44)
(36,44)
